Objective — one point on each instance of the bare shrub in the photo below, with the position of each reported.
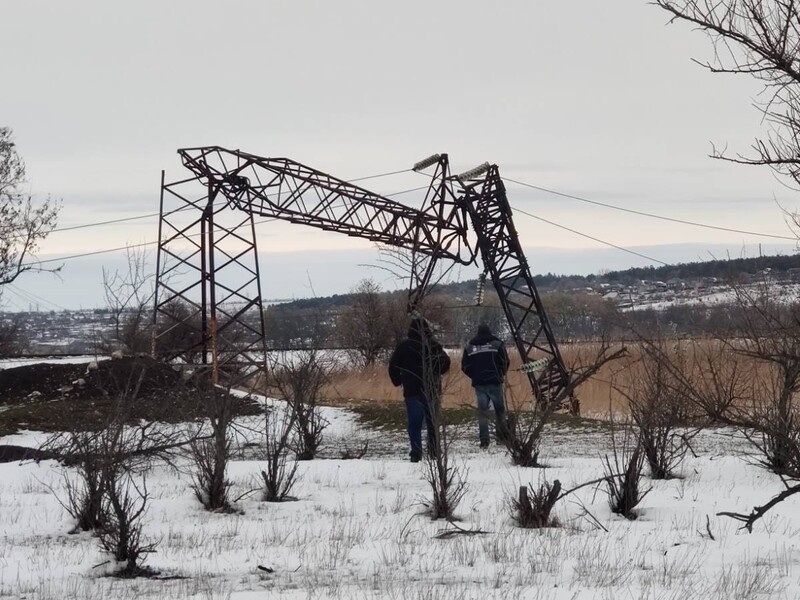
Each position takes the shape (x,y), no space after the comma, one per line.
(623,476)
(115,448)
(660,411)
(107,499)
(299,378)
(211,453)
(280,475)
(524,437)
(84,497)
(525,427)
(356,449)
(533,506)
(448,482)
(125,504)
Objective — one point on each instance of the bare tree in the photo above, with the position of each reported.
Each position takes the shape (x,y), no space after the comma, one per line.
(128,295)
(759,38)
(24,224)
(13,338)
(362,326)
(749,379)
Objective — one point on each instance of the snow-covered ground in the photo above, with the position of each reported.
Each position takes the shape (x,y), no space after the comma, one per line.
(10,363)
(779,291)
(357,531)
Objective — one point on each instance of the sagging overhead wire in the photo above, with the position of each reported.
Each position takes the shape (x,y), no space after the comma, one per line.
(651,215)
(590,237)
(30,297)
(155,214)
(153,243)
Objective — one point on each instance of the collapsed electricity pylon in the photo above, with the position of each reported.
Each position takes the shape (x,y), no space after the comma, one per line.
(208,307)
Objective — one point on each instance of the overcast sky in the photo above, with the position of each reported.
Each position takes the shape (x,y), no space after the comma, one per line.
(597,99)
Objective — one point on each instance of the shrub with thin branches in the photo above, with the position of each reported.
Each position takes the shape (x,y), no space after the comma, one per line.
(623,477)
(125,504)
(211,453)
(280,474)
(448,481)
(525,427)
(661,413)
(298,379)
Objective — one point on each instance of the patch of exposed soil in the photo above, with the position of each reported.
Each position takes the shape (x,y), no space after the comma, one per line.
(58,397)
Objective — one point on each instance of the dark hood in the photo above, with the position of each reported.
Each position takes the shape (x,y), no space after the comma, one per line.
(482,338)
(417,328)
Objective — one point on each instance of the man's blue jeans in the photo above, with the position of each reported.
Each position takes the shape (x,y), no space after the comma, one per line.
(490,395)
(418,410)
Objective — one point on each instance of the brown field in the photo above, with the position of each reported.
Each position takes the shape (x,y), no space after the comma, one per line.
(597,396)
(754,379)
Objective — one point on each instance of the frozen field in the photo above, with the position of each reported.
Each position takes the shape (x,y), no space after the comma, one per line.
(357,531)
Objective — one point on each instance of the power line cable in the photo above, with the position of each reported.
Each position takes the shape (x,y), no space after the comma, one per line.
(155,214)
(586,235)
(652,215)
(34,298)
(152,243)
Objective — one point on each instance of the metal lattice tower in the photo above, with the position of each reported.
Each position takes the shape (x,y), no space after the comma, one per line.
(502,256)
(208,297)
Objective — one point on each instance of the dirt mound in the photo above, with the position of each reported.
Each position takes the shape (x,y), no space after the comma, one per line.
(57,397)
(18,383)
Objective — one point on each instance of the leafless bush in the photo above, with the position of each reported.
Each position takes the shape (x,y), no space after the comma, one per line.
(623,476)
(533,506)
(525,427)
(211,454)
(84,497)
(660,411)
(356,449)
(125,504)
(280,475)
(299,378)
(448,481)
(524,437)
(115,448)
(106,498)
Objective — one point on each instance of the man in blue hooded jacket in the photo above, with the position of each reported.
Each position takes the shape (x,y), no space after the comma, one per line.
(485,361)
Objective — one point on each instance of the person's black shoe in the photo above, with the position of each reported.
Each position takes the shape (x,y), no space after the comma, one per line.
(415,458)
(484,444)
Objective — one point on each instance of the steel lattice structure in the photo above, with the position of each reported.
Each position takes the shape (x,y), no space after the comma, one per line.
(208,307)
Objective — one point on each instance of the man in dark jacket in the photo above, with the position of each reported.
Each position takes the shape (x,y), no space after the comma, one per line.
(485,361)
(418,364)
